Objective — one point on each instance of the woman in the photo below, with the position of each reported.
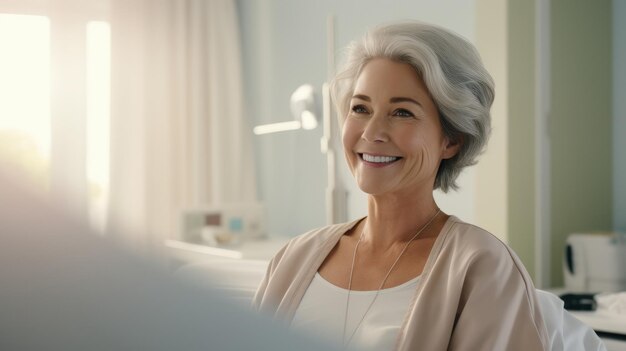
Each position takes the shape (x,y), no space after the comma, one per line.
(414,101)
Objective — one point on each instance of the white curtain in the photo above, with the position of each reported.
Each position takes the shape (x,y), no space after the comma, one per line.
(178,135)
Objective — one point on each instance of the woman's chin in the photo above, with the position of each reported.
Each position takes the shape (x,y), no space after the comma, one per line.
(373,189)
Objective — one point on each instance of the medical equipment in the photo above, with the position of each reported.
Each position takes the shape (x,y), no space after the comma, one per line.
(222,224)
(303,108)
(595,262)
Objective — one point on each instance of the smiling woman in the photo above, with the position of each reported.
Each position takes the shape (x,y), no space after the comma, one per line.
(414,101)
(391,102)
(452,77)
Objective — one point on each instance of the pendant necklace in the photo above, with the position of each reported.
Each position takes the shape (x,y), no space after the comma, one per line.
(345,320)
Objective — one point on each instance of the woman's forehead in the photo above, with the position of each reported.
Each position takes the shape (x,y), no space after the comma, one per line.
(386,78)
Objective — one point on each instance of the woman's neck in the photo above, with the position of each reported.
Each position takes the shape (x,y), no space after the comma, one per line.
(394,219)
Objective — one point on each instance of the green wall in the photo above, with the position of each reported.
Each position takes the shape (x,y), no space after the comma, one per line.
(580,126)
(521,155)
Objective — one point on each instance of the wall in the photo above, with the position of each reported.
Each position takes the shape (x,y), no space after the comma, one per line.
(619,115)
(581,122)
(284,45)
(522,142)
(490,180)
(580,152)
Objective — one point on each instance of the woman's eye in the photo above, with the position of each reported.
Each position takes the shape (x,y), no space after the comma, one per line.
(403,113)
(359,109)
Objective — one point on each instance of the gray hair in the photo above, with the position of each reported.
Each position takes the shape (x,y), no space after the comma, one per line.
(452,70)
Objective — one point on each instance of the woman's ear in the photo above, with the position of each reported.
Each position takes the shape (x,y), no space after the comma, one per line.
(452,147)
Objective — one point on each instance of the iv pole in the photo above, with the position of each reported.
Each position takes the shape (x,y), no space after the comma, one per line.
(336,195)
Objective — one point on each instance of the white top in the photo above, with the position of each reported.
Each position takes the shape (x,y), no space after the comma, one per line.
(322,312)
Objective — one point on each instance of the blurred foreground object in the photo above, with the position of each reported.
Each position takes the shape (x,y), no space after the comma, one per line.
(64,288)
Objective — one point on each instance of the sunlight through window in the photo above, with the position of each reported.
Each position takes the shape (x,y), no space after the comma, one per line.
(25,95)
(98,119)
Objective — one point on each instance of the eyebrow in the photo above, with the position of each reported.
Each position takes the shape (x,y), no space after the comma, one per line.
(392,100)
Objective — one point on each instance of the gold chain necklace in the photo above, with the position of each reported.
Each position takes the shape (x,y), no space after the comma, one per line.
(345,320)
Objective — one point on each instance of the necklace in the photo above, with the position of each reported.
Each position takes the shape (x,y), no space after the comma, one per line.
(356,247)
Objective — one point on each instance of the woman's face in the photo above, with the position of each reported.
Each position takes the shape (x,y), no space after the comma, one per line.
(392,136)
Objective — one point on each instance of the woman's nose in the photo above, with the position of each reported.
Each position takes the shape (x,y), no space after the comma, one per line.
(376,129)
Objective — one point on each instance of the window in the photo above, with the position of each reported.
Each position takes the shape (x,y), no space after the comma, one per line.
(98,119)
(27,120)
(25,95)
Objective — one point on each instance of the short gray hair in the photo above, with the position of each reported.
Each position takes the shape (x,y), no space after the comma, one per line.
(453,72)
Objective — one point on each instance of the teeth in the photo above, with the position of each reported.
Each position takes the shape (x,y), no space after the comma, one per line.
(379,159)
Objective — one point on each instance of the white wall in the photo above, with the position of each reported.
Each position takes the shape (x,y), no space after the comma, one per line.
(619,115)
(284,45)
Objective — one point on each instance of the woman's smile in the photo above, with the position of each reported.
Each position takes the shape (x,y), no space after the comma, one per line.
(378,161)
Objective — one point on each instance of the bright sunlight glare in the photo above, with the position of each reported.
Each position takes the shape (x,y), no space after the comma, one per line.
(25,97)
(98,118)
(25,72)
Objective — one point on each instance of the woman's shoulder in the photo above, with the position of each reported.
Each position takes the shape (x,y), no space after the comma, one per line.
(322,234)
(472,235)
(316,240)
(479,255)
(474,241)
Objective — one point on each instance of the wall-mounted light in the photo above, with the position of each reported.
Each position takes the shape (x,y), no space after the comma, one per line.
(303,109)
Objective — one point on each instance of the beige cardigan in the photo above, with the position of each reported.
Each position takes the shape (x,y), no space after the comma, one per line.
(473,294)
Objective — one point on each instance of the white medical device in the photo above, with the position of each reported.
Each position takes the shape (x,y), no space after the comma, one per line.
(595,262)
(223,224)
